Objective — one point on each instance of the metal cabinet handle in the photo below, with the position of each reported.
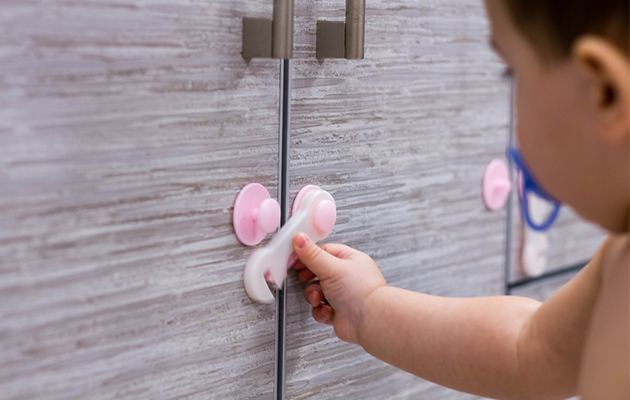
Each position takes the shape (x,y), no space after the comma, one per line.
(270,38)
(338,39)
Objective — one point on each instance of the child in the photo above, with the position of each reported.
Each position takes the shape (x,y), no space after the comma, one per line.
(570,60)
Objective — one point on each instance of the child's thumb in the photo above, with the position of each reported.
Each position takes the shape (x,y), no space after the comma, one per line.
(312,256)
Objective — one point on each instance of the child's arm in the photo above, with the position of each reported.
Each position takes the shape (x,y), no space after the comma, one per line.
(501,347)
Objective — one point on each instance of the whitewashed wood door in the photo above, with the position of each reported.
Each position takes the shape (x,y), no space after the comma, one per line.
(127,128)
(401,140)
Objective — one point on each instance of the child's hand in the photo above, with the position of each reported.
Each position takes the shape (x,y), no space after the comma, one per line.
(346,278)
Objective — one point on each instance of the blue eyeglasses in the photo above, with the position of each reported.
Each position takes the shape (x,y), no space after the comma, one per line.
(531,186)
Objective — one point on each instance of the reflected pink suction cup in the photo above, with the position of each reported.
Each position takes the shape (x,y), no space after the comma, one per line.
(496,185)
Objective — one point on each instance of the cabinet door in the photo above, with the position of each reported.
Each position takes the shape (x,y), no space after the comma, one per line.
(126,130)
(401,140)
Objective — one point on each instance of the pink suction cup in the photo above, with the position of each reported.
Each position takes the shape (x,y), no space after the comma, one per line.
(325,216)
(496,185)
(296,205)
(255,214)
(300,197)
(317,218)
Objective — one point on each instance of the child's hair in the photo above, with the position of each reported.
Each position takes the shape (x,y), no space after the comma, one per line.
(554,25)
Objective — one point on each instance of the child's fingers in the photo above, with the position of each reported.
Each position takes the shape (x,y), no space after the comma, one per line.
(306,275)
(311,255)
(338,250)
(298,265)
(323,314)
(314,294)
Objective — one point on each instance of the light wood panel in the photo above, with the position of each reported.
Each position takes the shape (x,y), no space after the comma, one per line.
(401,140)
(127,128)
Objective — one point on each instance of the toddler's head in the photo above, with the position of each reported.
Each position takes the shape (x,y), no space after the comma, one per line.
(572,73)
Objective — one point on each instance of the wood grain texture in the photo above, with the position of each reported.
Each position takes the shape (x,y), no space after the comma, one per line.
(126,130)
(401,140)
(572,240)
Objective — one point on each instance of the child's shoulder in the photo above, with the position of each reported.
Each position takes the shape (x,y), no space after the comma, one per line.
(614,257)
(605,365)
(610,259)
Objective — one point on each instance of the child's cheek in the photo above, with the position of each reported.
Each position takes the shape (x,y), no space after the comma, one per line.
(537,126)
(531,117)
(551,118)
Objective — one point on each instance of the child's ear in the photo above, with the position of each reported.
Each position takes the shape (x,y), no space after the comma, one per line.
(608,71)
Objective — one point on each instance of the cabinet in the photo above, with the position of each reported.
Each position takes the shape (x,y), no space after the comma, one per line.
(126,129)
(401,140)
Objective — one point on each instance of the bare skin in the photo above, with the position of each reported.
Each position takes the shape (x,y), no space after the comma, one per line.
(573,126)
